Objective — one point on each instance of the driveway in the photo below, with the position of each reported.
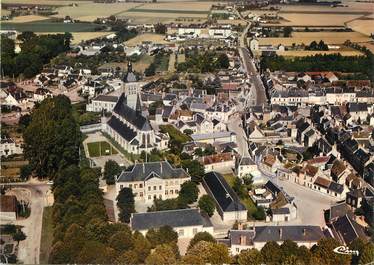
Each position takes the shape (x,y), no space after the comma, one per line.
(39,196)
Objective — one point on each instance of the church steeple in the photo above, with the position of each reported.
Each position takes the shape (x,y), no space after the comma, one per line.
(129,67)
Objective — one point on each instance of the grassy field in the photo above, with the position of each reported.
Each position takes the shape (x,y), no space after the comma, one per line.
(100,149)
(47,26)
(47,236)
(139,66)
(164,64)
(44,2)
(186,6)
(155,38)
(352,7)
(308,37)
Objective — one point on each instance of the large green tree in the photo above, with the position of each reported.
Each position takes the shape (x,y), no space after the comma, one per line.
(111,170)
(250,256)
(189,192)
(126,204)
(207,204)
(51,140)
(162,235)
(201,236)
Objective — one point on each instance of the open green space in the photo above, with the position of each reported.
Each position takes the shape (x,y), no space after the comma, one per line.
(47,236)
(48,26)
(103,148)
(175,134)
(247,201)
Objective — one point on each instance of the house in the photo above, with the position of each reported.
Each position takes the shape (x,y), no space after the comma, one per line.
(8,208)
(102,103)
(245,166)
(222,163)
(346,230)
(41,94)
(214,137)
(131,129)
(358,111)
(9,147)
(227,201)
(258,236)
(329,187)
(152,180)
(186,222)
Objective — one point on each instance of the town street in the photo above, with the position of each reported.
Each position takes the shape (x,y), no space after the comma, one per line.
(241,140)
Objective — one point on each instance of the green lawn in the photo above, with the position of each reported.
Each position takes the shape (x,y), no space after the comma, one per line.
(145,10)
(48,26)
(47,236)
(249,204)
(100,149)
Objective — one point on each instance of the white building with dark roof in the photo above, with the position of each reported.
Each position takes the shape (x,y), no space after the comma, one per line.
(258,236)
(153,180)
(186,222)
(102,103)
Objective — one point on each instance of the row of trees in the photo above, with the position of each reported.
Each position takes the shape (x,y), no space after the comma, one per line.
(320,46)
(318,62)
(35,52)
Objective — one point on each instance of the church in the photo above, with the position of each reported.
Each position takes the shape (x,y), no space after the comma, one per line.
(128,126)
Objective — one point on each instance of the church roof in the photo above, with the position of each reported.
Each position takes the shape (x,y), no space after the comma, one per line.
(132,116)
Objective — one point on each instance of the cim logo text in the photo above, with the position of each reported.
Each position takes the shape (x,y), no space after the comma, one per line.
(346,251)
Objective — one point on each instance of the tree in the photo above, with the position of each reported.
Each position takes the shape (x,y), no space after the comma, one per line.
(223,61)
(163,235)
(207,252)
(52,138)
(239,188)
(25,171)
(289,248)
(111,170)
(94,252)
(19,236)
(195,169)
(128,257)
(201,236)
(121,241)
(250,256)
(271,253)
(367,254)
(287,31)
(207,204)
(160,28)
(259,214)
(163,254)
(189,192)
(188,131)
(324,252)
(126,204)
(141,246)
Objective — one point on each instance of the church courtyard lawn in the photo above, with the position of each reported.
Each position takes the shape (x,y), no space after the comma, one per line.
(103,148)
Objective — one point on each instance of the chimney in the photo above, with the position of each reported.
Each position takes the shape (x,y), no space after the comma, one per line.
(243,240)
(143,168)
(304,232)
(240,226)
(161,167)
(280,233)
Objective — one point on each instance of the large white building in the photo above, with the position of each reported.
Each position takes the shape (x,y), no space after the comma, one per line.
(152,180)
(186,222)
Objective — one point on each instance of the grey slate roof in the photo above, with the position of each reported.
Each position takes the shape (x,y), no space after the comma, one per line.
(172,218)
(247,161)
(283,210)
(297,233)
(122,129)
(223,194)
(132,116)
(162,169)
(347,230)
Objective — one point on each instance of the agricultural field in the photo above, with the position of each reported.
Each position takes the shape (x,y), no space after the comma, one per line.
(155,38)
(353,7)
(48,26)
(303,19)
(43,2)
(29,18)
(308,37)
(364,26)
(88,11)
(186,6)
(139,66)
(5,12)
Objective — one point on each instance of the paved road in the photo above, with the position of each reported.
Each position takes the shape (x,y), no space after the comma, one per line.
(310,204)
(233,126)
(39,197)
(254,76)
